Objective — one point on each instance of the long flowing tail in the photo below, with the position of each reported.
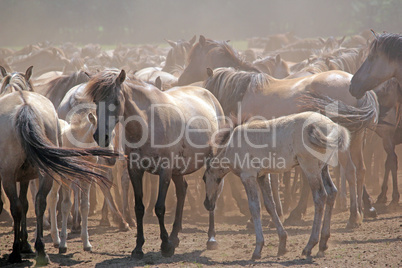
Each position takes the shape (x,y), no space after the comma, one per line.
(51,160)
(365,115)
(337,137)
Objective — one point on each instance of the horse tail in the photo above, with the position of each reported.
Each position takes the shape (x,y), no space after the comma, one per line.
(364,115)
(336,137)
(49,159)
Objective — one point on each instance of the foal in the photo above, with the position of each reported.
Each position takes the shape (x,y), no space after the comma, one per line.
(254,149)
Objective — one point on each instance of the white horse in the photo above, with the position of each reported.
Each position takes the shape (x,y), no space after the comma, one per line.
(254,149)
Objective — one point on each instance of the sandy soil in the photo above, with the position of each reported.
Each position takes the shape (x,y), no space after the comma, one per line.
(377,243)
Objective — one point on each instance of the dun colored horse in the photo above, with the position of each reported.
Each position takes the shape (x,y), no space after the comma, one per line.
(259,147)
(155,137)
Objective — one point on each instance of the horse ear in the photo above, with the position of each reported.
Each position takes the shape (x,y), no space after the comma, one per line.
(3,71)
(374,33)
(92,119)
(278,58)
(171,43)
(122,76)
(340,41)
(210,72)
(192,40)
(321,40)
(28,73)
(158,82)
(202,40)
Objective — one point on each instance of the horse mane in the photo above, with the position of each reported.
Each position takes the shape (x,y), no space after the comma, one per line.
(390,44)
(102,85)
(229,85)
(17,81)
(224,48)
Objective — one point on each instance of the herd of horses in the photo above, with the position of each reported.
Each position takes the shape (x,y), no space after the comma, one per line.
(310,103)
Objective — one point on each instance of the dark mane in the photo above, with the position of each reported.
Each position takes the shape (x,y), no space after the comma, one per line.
(16,81)
(224,48)
(389,44)
(102,85)
(229,86)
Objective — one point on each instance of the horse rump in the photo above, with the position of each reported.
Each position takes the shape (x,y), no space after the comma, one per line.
(49,159)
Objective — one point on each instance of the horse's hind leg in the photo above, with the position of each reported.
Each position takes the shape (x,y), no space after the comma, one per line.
(331,196)
(319,196)
(76,228)
(275,193)
(125,185)
(25,247)
(40,207)
(65,211)
(250,185)
(296,214)
(181,188)
(269,203)
(85,187)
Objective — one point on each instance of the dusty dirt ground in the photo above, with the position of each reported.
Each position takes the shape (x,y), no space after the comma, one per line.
(377,243)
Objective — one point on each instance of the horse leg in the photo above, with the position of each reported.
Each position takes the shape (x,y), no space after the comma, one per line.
(25,247)
(94,200)
(109,202)
(211,243)
(369,210)
(181,188)
(276,195)
(105,213)
(236,193)
(319,198)
(136,181)
(250,184)
(287,195)
(65,212)
(125,185)
(356,149)
(76,228)
(391,165)
(44,188)
(53,198)
(167,247)
(152,193)
(269,203)
(348,168)
(16,211)
(296,214)
(85,191)
(331,196)
(1,198)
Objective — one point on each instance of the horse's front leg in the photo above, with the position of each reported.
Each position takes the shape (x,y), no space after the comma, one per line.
(167,247)
(65,206)
(211,243)
(331,196)
(250,185)
(125,185)
(85,187)
(181,188)
(53,198)
(44,188)
(136,180)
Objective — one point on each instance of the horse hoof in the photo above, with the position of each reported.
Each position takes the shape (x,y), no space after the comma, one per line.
(394,205)
(42,260)
(352,225)
(88,249)
(381,199)
(14,258)
(167,249)
(282,251)
(256,256)
(76,229)
(131,222)
(62,250)
(212,245)
(306,252)
(175,241)
(320,254)
(56,245)
(124,227)
(26,248)
(137,254)
(370,213)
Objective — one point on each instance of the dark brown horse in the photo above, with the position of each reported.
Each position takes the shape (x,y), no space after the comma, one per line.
(177,55)
(383,62)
